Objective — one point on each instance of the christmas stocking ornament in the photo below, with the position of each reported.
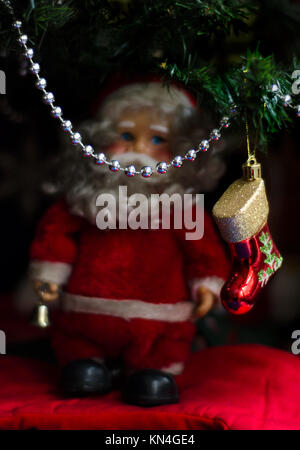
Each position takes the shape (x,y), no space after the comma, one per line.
(241,215)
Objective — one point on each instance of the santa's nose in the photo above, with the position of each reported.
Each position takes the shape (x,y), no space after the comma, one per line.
(140,146)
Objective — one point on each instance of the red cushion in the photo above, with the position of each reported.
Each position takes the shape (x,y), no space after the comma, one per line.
(236,387)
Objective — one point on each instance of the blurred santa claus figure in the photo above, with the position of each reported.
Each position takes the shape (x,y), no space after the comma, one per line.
(129,294)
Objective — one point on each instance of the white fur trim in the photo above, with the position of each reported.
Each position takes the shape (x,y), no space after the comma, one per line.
(212,283)
(127,309)
(50,272)
(174,369)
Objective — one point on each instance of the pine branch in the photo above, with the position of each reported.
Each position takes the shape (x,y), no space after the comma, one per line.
(84,42)
(247,85)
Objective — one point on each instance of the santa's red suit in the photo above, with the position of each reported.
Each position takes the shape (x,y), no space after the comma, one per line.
(127,293)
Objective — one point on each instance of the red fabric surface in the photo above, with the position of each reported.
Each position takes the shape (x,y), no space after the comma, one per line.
(234,387)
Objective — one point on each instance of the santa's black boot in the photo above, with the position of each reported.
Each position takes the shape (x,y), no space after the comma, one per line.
(150,387)
(85,377)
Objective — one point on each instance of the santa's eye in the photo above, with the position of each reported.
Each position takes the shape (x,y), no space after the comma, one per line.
(127,136)
(158,140)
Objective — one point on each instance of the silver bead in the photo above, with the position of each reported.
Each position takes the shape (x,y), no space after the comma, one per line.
(35,68)
(298,111)
(287,100)
(114,166)
(88,150)
(204,146)
(48,98)
(233,109)
(41,84)
(29,53)
(56,112)
(177,162)
(191,155)
(146,171)
(225,122)
(67,124)
(23,39)
(100,159)
(274,88)
(130,171)
(162,167)
(17,24)
(215,134)
(76,138)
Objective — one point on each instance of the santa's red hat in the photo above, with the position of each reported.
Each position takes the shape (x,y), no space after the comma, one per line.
(118,82)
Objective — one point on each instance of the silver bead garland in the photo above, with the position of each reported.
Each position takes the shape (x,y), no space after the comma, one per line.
(100,158)
(285,98)
(130,171)
(146,171)
(114,166)
(162,168)
(191,155)
(177,161)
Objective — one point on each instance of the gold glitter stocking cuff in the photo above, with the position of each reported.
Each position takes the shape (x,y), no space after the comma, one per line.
(242,210)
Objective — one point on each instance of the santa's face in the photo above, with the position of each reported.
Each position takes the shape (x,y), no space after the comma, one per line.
(142,132)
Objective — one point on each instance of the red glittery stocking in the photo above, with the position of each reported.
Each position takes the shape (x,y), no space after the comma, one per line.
(241,215)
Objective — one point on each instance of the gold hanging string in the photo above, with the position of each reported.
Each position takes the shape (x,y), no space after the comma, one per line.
(247,125)
(248,138)
(252,153)
(257,129)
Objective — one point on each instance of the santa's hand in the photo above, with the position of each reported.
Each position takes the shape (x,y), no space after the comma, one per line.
(206,299)
(47,292)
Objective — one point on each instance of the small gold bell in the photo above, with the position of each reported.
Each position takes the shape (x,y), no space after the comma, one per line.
(41,316)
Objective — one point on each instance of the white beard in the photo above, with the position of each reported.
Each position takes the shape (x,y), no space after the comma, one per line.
(82,197)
